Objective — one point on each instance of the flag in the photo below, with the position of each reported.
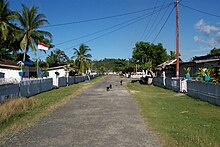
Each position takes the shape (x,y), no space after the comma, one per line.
(42,46)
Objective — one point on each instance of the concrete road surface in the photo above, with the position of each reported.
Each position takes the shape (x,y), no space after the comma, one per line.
(95,118)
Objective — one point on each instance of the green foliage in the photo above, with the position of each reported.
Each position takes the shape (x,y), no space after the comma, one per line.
(30,21)
(10,34)
(215,74)
(117,65)
(56,58)
(146,52)
(146,65)
(200,74)
(187,70)
(82,57)
(6,16)
(214,51)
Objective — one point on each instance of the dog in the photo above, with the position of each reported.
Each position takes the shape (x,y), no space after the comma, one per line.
(107,88)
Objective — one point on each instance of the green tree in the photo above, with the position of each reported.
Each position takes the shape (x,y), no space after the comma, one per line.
(9,33)
(6,16)
(214,51)
(30,22)
(57,57)
(120,65)
(145,53)
(172,55)
(82,57)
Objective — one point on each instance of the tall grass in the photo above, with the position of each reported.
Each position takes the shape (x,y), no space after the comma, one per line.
(13,106)
(179,119)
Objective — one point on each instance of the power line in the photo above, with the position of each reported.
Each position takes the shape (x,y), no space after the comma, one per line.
(101,18)
(207,13)
(141,18)
(98,31)
(115,30)
(166,21)
(147,37)
(149,21)
(154,20)
(105,29)
(163,24)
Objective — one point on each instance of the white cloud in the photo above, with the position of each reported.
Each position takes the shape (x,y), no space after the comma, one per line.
(213,42)
(218,36)
(198,39)
(204,28)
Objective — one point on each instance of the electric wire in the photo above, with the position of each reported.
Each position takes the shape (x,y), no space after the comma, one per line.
(90,34)
(124,26)
(157,24)
(207,13)
(149,21)
(101,18)
(164,24)
(166,20)
(112,31)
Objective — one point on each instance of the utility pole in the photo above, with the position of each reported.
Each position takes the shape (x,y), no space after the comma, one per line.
(177,39)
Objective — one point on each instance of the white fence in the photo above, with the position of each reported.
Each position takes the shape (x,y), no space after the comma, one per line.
(205,91)
(27,88)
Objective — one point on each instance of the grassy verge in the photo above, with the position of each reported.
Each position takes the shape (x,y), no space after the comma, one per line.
(19,113)
(179,119)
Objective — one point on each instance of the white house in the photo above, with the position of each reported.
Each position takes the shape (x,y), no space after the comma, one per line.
(9,70)
(55,72)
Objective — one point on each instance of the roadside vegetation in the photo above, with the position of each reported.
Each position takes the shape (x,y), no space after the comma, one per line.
(19,113)
(178,119)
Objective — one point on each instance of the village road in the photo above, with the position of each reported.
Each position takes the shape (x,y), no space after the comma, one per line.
(94,118)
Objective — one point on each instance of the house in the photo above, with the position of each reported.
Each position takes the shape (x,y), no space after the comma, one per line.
(9,70)
(196,64)
(168,68)
(57,71)
(207,61)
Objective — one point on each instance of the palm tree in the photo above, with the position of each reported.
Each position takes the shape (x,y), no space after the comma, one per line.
(82,57)
(6,15)
(30,21)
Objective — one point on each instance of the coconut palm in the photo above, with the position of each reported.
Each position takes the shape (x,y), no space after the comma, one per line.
(82,57)
(6,15)
(30,22)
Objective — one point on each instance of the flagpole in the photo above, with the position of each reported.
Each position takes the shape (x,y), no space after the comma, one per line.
(37,63)
(41,46)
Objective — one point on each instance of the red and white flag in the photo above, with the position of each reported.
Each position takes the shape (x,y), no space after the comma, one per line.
(42,46)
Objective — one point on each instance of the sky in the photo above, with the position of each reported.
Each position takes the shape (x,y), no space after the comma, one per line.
(115,37)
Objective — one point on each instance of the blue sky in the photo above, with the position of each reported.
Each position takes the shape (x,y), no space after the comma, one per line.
(199,33)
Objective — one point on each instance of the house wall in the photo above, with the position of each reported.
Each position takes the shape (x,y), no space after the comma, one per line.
(54,76)
(11,73)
